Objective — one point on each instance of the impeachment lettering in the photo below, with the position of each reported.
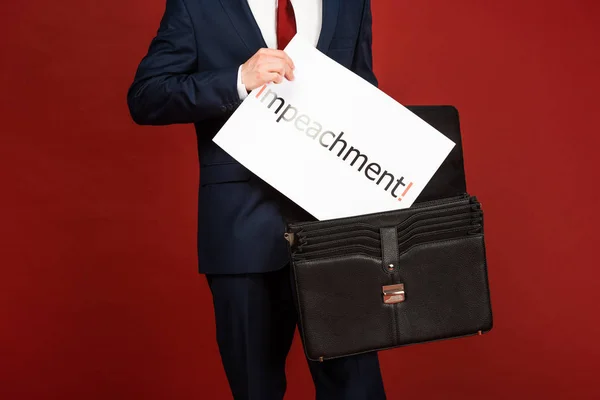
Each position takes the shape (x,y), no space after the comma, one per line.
(328,139)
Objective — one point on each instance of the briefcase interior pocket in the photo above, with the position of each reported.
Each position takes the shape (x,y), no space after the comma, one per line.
(433,227)
(332,230)
(454,212)
(405,245)
(327,244)
(309,243)
(440,207)
(310,239)
(355,249)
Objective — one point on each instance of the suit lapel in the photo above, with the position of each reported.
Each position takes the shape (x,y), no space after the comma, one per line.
(330,14)
(240,14)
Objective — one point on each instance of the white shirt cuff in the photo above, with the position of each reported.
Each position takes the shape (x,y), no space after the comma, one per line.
(241,88)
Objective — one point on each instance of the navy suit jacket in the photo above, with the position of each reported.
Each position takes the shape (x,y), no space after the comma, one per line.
(189,75)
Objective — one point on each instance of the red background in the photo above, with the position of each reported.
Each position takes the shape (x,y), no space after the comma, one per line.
(99,295)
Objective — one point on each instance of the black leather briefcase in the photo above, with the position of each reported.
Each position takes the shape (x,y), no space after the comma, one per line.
(384,280)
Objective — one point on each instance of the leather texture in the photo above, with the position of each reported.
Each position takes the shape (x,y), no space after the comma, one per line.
(436,249)
(389,245)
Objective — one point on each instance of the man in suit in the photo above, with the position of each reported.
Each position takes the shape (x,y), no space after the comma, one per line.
(206,57)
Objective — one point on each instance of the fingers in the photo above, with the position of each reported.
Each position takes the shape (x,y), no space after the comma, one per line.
(278,54)
(268,65)
(263,54)
(273,77)
(279,67)
(289,73)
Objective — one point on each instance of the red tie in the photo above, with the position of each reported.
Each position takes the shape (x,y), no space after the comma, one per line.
(286,23)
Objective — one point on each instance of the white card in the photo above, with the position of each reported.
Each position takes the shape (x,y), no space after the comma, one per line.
(333,143)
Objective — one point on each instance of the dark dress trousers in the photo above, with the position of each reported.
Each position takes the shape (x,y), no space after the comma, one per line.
(189,75)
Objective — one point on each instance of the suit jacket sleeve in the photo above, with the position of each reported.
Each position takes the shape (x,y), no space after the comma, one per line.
(167,88)
(362,64)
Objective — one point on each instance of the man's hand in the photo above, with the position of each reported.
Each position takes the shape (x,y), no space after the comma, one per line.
(266,66)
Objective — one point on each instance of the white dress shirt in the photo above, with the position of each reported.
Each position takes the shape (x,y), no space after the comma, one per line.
(308,24)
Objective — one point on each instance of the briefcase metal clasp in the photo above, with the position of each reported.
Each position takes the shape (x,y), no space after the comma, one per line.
(290,237)
(393,294)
